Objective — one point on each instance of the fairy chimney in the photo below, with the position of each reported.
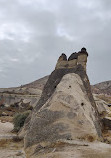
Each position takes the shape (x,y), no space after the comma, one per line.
(62,62)
(82,58)
(72,60)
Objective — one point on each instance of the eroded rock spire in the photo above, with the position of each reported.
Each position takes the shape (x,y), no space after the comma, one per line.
(74,59)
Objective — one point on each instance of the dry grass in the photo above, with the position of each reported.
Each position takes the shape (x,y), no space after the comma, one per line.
(7,143)
(88,138)
(6,119)
(58,144)
(3,143)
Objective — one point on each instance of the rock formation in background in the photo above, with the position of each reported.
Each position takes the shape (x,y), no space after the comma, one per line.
(103,88)
(66,110)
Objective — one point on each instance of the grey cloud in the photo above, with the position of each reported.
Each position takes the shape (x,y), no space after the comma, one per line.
(39,31)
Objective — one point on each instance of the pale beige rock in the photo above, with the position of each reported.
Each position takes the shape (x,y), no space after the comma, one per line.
(61,64)
(69,99)
(5,129)
(82,60)
(72,63)
(4,114)
(67,115)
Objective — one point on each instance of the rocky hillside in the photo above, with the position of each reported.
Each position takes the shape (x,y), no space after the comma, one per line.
(22,98)
(30,93)
(39,84)
(103,91)
(102,88)
(13,100)
(9,96)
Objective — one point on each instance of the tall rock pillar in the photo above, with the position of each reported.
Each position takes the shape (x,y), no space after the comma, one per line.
(82,58)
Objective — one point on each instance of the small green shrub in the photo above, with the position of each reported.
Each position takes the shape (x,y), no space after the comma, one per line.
(19,120)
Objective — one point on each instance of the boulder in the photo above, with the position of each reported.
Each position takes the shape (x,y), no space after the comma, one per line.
(4,114)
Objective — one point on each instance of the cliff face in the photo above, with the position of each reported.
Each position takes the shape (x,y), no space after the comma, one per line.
(65,111)
(12,96)
(19,99)
(29,93)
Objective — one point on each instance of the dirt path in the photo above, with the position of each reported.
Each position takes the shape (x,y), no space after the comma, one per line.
(9,146)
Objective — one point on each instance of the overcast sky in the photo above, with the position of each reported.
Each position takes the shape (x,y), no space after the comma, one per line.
(34,33)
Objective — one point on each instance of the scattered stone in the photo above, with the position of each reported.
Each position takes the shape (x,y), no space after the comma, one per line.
(19,153)
(2,121)
(4,114)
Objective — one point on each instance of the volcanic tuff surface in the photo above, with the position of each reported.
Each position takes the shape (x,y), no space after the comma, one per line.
(65,111)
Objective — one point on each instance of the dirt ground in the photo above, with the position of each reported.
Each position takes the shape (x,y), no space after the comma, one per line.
(10,147)
(73,149)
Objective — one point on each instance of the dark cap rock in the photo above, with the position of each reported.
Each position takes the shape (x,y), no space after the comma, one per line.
(73,56)
(63,56)
(83,51)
